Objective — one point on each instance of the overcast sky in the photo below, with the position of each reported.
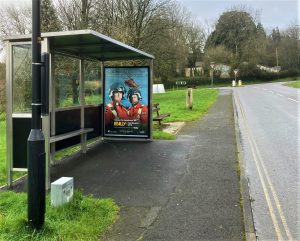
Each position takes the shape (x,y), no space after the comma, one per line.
(273,14)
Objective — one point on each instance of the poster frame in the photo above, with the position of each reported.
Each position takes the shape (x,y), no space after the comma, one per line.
(119,136)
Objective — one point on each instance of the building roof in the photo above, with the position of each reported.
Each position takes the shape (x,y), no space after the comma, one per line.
(87,44)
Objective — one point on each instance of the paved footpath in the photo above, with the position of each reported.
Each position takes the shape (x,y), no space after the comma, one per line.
(187,189)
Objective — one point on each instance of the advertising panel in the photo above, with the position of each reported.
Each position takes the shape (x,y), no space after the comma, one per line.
(126,100)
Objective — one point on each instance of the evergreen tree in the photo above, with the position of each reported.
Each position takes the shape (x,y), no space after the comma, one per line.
(260,31)
(232,30)
(50,22)
(276,36)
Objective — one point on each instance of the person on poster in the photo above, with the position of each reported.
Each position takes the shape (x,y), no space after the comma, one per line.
(114,110)
(137,111)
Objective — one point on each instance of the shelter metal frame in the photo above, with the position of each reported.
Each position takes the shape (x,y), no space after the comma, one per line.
(82,45)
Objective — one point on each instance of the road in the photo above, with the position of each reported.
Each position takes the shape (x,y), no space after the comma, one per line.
(268,116)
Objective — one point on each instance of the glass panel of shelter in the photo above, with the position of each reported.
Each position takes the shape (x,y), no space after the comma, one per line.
(21,78)
(92,83)
(67,82)
(66,79)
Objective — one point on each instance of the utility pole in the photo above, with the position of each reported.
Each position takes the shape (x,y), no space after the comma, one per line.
(236,71)
(212,65)
(36,141)
(277,63)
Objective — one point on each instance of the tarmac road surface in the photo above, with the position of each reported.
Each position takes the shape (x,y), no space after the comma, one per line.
(268,117)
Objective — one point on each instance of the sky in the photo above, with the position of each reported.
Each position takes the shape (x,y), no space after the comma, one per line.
(273,13)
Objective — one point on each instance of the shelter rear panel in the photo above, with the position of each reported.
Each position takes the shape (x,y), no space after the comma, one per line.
(67,121)
(21,130)
(93,119)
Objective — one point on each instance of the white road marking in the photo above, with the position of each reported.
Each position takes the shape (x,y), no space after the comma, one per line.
(273,192)
(274,92)
(293,100)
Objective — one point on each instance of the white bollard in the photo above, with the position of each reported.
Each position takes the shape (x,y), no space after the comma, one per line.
(233,83)
(240,83)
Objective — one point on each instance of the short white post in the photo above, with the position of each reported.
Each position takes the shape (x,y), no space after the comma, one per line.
(62,191)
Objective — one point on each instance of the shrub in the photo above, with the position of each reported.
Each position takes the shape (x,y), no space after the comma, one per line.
(195,81)
(2,116)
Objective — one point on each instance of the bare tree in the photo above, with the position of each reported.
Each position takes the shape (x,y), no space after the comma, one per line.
(129,20)
(15,20)
(288,48)
(195,38)
(75,14)
(209,26)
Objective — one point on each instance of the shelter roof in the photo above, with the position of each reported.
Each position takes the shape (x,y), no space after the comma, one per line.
(87,44)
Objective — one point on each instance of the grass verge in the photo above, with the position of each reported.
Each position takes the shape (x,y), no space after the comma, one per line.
(66,152)
(3,169)
(160,135)
(250,82)
(295,84)
(173,102)
(84,218)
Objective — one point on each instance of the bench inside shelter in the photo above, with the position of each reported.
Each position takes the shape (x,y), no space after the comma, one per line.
(70,134)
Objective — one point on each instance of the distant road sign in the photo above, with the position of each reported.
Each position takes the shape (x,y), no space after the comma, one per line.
(277,68)
(236,71)
(180,82)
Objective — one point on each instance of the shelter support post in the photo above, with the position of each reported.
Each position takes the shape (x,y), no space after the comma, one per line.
(102,90)
(46,131)
(151,96)
(9,114)
(82,103)
(52,105)
(46,120)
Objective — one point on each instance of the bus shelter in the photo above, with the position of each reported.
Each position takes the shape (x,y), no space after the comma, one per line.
(83,67)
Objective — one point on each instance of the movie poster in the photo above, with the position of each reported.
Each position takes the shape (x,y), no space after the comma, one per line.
(126,101)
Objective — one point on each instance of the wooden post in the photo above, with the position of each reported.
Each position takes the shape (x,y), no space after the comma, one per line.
(189,98)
